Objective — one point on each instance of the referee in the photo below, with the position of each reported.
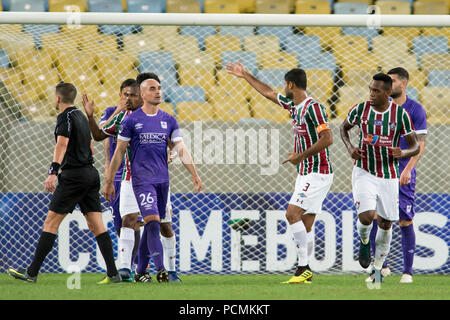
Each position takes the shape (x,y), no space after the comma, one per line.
(78,183)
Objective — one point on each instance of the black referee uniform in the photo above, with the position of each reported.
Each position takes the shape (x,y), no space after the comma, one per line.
(79,181)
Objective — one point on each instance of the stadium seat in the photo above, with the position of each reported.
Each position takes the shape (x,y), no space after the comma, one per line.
(349,47)
(312,7)
(70,65)
(359,77)
(108,65)
(10,28)
(302,44)
(159,33)
(369,33)
(221,6)
(237,31)
(42,80)
(436,103)
(394,7)
(27,5)
(348,97)
(79,32)
(407,33)
(272,6)
(317,77)
(137,42)
(247,6)
(37,30)
(389,59)
(194,111)
(113,77)
(435,61)
(431,7)
(197,76)
(412,93)
(234,86)
(321,60)
(56,42)
(85,81)
(217,44)
(381,44)
(359,62)
(439,78)
(278,60)
(98,43)
(326,34)
(167,107)
(183,6)
(105,6)
(272,77)
(29,59)
(16,42)
(261,44)
(429,44)
(149,60)
(67,5)
(232,111)
(223,96)
(104,96)
(4,59)
(267,110)
(357,1)
(181,46)
(280,32)
(246,58)
(436,32)
(118,30)
(350,8)
(179,94)
(319,93)
(199,32)
(201,60)
(150,6)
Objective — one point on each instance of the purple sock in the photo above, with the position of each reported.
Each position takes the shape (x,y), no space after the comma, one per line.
(154,243)
(408,247)
(142,254)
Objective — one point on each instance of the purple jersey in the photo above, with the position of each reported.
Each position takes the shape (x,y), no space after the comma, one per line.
(149,136)
(112,140)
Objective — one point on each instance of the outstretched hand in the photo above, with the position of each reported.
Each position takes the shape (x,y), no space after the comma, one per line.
(88,105)
(236,69)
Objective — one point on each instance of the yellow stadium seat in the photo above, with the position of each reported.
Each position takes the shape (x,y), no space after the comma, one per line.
(160,32)
(181,46)
(347,47)
(24,94)
(359,77)
(436,103)
(85,81)
(10,28)
(135,42)
(67,5)
(12,77)
(261,44)
(312,7)
(217,44)
(348,97)
(319,93)
(381,44)
(222,96)
(124,5)
(326,34)
(393,7)
(221,6)
(431,7)
(115,68)
(317,77)
(235,86)
(392,59)
(247,6)
(70,65)
(407,33)
(232,110)
(436,32)
(80,31)
(435,61)
(197,76)
(42,80)
(57,42)
(195,111)
(201,60)
(273,6)
(183,6)
(99,44)
(267,110)
(357,1)
(359,62)
(278,60)
(32,59)
(16,41)
(104,97)
(167,107)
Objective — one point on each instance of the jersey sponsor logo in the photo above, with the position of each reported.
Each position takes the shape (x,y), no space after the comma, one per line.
(152,137)
(371,139)
(378,123)
(375,140)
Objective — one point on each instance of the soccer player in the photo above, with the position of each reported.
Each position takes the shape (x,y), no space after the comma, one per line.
(315,175)
(375,172)
(78,183)
(407,170)
(149,131)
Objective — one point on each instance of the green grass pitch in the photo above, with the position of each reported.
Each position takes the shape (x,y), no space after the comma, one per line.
(228,287)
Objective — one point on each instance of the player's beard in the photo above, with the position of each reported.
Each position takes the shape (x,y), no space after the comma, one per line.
(289,95)
(396,94)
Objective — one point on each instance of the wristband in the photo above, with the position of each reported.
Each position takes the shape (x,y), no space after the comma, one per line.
(54,168)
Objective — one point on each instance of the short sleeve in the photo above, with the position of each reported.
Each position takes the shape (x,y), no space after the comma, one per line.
(175,133)
(113,126)
(407,124)
(284,102)
(318,116)
(352,117)
(63,127)
(126,130)
(419,119)
(106,114)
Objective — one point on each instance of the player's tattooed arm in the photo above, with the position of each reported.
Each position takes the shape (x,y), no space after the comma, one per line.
(355,153)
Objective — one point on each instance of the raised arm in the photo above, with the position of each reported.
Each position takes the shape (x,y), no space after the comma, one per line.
(97,133)
(239,71)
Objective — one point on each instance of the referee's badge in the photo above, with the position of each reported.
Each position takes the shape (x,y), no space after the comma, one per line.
(163,124)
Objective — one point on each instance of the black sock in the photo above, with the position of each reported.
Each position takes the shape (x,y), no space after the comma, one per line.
(105,245)
(43,248)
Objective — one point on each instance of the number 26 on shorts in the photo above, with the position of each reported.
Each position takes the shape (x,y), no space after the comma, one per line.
(146,199)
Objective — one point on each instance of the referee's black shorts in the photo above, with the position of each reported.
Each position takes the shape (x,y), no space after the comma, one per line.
(77,186)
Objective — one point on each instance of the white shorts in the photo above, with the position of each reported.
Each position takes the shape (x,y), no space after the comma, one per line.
(374,193)
(310,191)
(129,205)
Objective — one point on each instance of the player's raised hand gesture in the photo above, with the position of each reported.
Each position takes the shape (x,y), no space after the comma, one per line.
(88,105)
(236,69)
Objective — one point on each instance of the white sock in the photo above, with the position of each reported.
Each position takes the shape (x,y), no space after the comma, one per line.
(364,231)
(301,240)
(169,249)
(126,244)
(310,238)
(382,246)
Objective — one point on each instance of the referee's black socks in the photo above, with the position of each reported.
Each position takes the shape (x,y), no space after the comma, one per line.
(43,248)
(106,248)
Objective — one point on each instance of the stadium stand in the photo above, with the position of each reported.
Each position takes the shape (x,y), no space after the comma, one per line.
(151,6)
(67,5)
(221,6)
(312,7)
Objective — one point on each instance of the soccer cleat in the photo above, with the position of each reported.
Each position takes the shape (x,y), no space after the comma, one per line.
(173,276)
(142,277)
(22,274)
(406,278)
(125,274)
(162,276)
(302,275)
(385,271)
(114,279)
(364,254)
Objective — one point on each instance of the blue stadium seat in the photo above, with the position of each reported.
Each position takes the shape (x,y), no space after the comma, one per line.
(369,33)
(6,5)
(272,77)
(151,6)
(302,44)
(246,58)
(27,5)
(4,60)
(350,8)
(179,94)
(280,32)
(321,60)
(155,60)
(37,30)
(439,78)
(429,44)
(239,32)
(412,93)
(200,32)
(105,6)
(116,29)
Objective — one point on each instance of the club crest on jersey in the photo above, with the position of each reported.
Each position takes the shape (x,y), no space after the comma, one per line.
(392,125)
(371,139)
(163,124)
(357,205)
(138,126)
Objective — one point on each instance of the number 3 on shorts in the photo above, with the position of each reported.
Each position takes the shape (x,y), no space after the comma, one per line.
(146,199)
(306,186)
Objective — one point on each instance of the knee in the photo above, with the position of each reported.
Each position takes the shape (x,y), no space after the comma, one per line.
(366,218)
(405,223)
(293,214)
(166,230)
(129,221)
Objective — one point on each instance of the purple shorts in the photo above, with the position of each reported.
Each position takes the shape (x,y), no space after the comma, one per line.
(152,199)
(406,199)
(117,220)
